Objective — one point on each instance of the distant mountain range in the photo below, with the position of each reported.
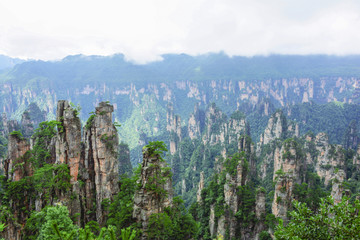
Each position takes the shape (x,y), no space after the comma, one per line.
(141,93)
(8,62)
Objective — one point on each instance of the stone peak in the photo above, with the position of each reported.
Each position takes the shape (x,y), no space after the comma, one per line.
(104,107)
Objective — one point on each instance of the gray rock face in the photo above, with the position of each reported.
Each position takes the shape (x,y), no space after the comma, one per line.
(148,202)
(30,119)
(16,167)
(201,187)
(356,159)
(330,158)
(68,141)
(93,165)
(173,125)
(283,196)
(17,148)
(287,166)
(101,145)
(276,128)
(260,212)
(195,123)
(337,186)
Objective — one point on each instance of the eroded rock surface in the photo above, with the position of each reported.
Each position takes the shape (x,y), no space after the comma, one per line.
(146,201)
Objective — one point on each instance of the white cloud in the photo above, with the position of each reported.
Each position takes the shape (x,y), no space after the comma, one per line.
(145,29)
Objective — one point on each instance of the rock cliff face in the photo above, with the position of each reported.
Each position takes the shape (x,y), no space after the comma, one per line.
(31,118)
(330,158)
(146,200)
(101,145)
(337,186)
(269,146)
(68,141)
(16,165)
(356,158)
(200,187)
(232,196)
(288,166)
(173,126)
(260,212)
(278,128)
(93,166)
(196,123)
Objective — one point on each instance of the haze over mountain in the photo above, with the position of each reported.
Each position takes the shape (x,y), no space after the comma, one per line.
(141,92)
(206,119)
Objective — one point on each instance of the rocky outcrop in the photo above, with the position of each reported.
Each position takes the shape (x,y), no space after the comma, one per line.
(101,145)
(287,168)
(330,158)
(173,126)
(283,195)
(247,146)
(31,118)
(278,128)
(231,195)
(268,149)
(12,125)
(196,123)
(260,211)
(356,158)
(146,200)
(201,187)
(68,141)
(93,166)
(215,125)
(337,186)
(16,165)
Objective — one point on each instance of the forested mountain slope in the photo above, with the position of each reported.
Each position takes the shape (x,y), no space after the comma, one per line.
(140,93)
(68,176)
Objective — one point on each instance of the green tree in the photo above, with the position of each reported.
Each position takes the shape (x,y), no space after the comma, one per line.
(58,215)
(331,221)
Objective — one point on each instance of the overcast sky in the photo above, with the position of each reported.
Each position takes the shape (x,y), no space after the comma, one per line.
(145,29)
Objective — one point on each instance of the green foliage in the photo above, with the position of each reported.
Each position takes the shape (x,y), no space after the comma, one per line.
(125,167)
(311,191)
(331,118)
(128,234)
(246,213)
(156,148)
(59,216)
(49,178)
(212,195)
(76,108)
(237,115)
(117,125)
(331,221)
(90,121)
(232,163)
(175,223)
(160,226)
(42,137)
(18,134)
(2,227)
(109,141)
(264,235)
(121,209)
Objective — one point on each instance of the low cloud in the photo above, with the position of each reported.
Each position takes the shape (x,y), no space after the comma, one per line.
(143,30)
